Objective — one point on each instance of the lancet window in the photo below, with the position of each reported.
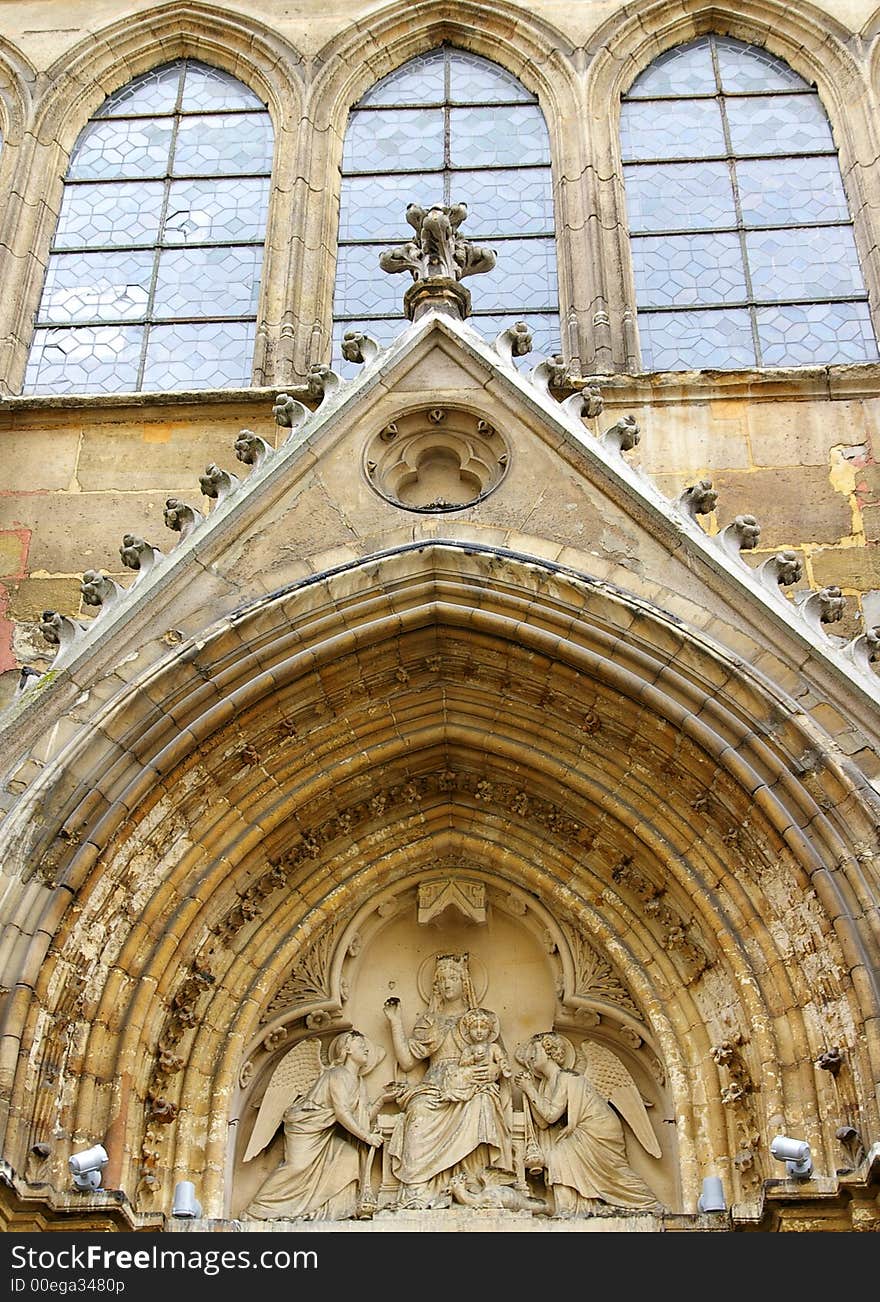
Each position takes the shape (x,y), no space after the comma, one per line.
(741,236)
(449,127)
(154,271)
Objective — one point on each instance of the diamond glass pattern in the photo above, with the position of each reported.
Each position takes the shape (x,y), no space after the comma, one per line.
(152,93)
(362,286)
(394,140)
(483,141)
(125,213)
(685,341)
(97,286)
(103,359)
(135,147)
(719,245)
(373,208)
(493,136)
(679,196)
(210,90)
(791,191)
(683,70)
(420,81)
(515,202)
(816,333)
(671,129)
(196,281)
(227,142)
(202,355)
(810,262)
(146,238)
(778,124)
(523,274)
(751,68)
(204,212)
(473,81)
(686,269)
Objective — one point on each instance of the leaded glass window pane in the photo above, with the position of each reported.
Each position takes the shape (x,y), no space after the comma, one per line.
(683,341)
(162,228)
(394,139)
(688,269)
(112,286)
(679,196)
(108,214)
(778,124)
(684,70)
(741,237)
(671,129)
(490,135)
(86,359)
(130,147)
(199,355)
(447,127)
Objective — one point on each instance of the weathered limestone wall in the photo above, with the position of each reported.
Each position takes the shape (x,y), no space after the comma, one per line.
(797,451)
(77,475)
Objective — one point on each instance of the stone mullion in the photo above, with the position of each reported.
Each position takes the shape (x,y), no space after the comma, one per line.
(28,228)
(319,179)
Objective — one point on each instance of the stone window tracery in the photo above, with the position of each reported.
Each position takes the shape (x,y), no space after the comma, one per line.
(154,271)
(740,231)
(448,127)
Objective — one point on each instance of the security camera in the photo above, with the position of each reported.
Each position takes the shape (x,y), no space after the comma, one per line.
(185,1201)
(795,1153)
(86,1167)
(712,1197)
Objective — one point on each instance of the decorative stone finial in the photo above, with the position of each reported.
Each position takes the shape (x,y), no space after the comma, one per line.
(288,412)
(513,341)
(827,606)
(358,347)
(181,517)
(98,590)
(741,535)
(437,259)
(781,571)
(139,555)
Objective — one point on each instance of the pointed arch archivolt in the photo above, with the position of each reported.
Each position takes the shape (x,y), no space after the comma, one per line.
(816,45)
(335,738)
(79,82)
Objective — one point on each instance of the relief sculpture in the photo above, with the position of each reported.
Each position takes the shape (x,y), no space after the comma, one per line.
(329,1132)
(468,1130)
(575,1136)
(457,1119)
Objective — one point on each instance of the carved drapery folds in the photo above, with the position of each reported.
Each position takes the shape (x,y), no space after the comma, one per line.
(470,1111)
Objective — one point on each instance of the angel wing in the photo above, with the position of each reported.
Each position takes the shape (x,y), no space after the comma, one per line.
(607,1074)
(294,1076)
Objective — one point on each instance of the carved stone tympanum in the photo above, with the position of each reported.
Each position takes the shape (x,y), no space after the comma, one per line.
(456,1126)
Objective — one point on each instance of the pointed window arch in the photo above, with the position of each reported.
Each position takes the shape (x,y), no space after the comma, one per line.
(740,231)
(449,127)
(155,267)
